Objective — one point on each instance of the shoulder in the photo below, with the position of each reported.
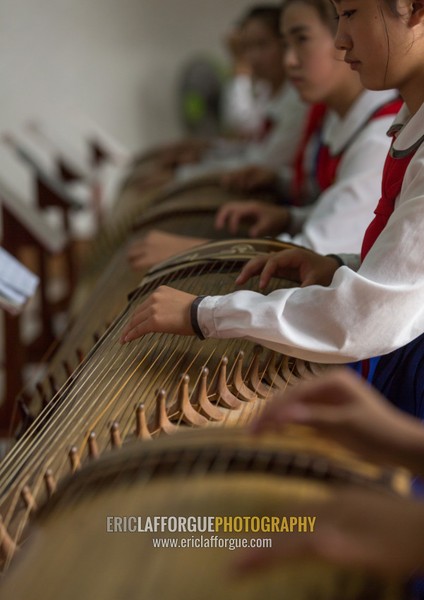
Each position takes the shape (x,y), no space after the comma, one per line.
(368,151)
(412,190)
(409,130)
(361,119)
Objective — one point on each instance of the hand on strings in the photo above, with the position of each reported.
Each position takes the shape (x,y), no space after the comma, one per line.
(342,408)
(156,178)
(166,310)
(299,264)
(250,179)
(157,246)
(355,529)
(264,219)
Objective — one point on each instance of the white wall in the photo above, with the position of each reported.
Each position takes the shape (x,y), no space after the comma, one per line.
(114,61)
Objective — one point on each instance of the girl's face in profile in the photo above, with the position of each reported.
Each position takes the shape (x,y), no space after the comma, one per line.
(262,50)
(312,62)
(376,41)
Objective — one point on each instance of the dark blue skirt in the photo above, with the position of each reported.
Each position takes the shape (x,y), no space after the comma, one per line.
(399,376)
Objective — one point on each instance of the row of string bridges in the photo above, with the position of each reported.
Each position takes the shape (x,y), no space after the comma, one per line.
(94,396)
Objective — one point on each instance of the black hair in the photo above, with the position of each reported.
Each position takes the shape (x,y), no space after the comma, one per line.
(269,14)
(393,6)
(325,9)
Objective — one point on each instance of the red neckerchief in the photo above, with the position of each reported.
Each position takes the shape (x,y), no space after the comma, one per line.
(393,176)
(327,165)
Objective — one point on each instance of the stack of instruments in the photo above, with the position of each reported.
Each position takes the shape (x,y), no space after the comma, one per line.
(144,399)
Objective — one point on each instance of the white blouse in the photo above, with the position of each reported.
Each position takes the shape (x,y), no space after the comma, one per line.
(336,222)
(278,148)
(361,314)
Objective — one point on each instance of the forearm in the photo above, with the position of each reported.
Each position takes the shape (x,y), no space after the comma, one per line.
(352,319)
(360,314)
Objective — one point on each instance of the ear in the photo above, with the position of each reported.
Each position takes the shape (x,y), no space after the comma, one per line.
(417,14)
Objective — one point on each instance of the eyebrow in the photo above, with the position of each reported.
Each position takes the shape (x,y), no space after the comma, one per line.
(298,29)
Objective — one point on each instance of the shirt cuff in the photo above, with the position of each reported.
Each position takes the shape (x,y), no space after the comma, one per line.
(337,258)
(193,317)
(205,315)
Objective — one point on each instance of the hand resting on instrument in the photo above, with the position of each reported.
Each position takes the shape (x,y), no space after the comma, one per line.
(157,246)
(166,310)
(299,264)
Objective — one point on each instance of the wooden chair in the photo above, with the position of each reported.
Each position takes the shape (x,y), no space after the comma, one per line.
(24,226)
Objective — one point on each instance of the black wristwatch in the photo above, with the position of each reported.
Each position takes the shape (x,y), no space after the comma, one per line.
(193,317)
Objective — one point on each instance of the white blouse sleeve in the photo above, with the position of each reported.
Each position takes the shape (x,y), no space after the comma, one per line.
(279,148)
(361,314)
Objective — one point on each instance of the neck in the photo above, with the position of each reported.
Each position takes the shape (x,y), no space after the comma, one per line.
(413,94)
(342,100)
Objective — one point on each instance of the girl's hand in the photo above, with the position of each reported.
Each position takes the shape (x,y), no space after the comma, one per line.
(301,265)
(166,311)
(361,530)
(157,246)
(266,218)
(250,179)
(157,178)
(341,407)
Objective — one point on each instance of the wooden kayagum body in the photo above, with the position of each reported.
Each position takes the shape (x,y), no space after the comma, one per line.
(110,397)
(184,209)
(108,278)
(229,486)
(149,387)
